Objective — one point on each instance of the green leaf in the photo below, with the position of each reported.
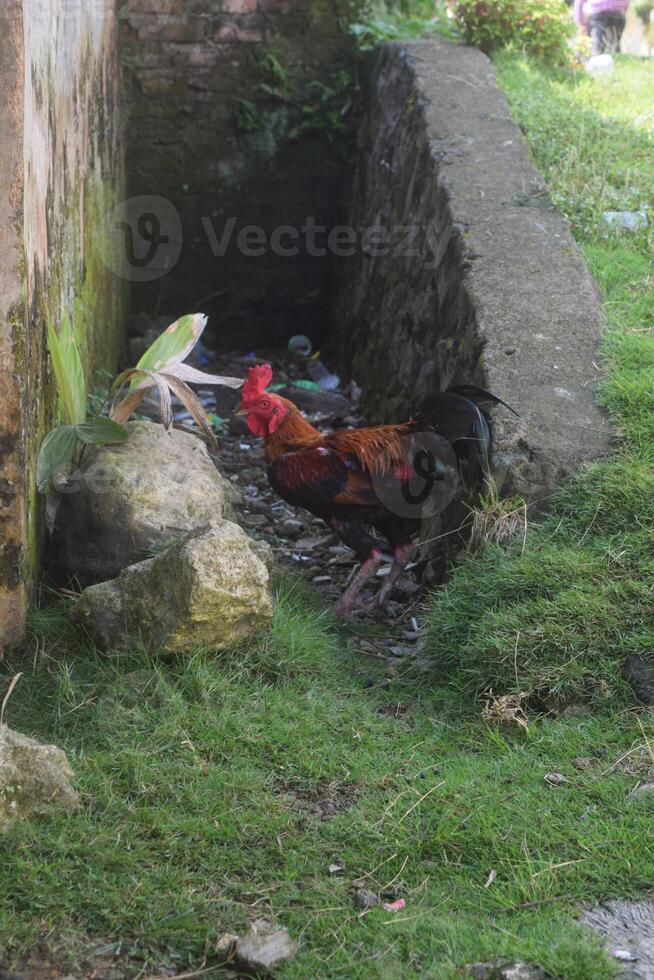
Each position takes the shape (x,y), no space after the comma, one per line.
(101,432)
(174,344)
(57,451)
(67,366)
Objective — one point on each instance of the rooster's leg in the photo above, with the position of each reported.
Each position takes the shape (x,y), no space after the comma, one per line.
(368,568)
(402,556)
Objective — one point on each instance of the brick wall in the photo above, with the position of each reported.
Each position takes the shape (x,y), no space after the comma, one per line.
(217,92)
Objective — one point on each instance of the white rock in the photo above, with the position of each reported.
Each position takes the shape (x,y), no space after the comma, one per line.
(34,778)
(129,501)
(210,590)
(266,949)
(641,792)
(627,220)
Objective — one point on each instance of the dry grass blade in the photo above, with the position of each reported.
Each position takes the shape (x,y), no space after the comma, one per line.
(165,401)
(165,383)
(496,520)
(150,379)
(5,700)
(505,710)
(121,411)
(192,403)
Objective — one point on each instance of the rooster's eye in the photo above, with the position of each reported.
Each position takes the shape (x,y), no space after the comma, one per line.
(265,404)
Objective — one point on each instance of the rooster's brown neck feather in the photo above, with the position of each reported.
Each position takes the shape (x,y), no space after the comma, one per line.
(378,449)
(293,432)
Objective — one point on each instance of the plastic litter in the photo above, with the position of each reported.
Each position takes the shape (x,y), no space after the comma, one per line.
(216,422)
(300,346)
(628,220)
(307,385)
(600,65)
(395,906)
(301,383)
(321,375)
(625,955)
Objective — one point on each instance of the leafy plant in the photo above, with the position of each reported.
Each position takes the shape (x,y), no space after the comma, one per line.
(391,20)
(644,11)
(279,80)
(542,28)
(65,444)
(290,105)
(327,108)
(247,117)
(162,367)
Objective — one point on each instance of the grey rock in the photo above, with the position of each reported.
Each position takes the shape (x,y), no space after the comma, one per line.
(324,403)
(129,501)
(365,899)
(638,671)
(261,953)
(642,792)
(209,590)
(263,551)
(34,778)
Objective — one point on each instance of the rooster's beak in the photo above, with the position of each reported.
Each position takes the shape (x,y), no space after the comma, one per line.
(242,411)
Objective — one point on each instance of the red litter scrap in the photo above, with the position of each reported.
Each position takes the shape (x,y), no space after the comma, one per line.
(395,906)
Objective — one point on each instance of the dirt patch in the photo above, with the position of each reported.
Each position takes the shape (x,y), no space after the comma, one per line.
(399,711)
(69,957)
(48,962)
(324,801)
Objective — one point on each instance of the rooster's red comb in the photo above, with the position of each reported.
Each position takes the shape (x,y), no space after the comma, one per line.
(259,378)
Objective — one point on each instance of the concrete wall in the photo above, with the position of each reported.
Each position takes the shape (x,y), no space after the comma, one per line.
(61,174)
(220,93)
(470,273)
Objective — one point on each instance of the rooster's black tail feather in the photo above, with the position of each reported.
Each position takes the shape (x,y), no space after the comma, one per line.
(460,415)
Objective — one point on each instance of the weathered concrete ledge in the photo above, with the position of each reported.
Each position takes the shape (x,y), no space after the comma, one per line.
(498,293)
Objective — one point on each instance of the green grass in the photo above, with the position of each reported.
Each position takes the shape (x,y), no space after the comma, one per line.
(189,772)
(559,617)
(200,779)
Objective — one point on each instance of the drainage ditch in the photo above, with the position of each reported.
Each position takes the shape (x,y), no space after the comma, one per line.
(436,258)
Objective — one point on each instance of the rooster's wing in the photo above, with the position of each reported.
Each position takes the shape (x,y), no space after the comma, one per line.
(320,478)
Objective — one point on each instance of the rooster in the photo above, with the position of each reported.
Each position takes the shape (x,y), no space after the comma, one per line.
(385,477)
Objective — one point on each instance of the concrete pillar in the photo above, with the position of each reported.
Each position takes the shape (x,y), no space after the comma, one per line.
(13,519)
(61,176)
